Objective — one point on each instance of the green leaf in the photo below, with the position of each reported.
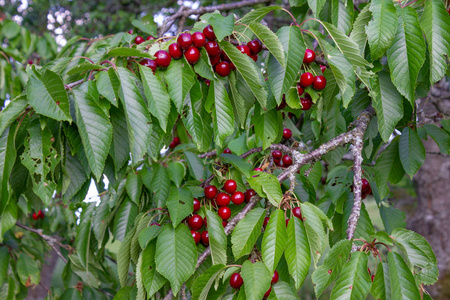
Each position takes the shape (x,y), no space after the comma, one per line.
(441,137)
(238,162)
(223,114)
(108,86)
(177,171)
(93,125)
(148,234)
(122,294)
(157,96)
(274,240)
(128,52)
(358,33)
(180,204)
(316,6)
(268,126)
(147,25)
(101,219)
(407,53)
(256,278)
(124,219)
(403,285)
(392,218)
(137,116)
(12,111)
(223,26)
(381,30)
(28,270)
(153,281)
(123,258)
(388,105)
(411,151)
(180,79)
(270,40)
(217,238)
(203,66)
(48,96)
(139,282)
(7,158)
(120,148)
(315,231)
(282,291)
(266,185)
(8,218)
(134,187)
(325,274)
(196,167)
(354,281)
(297,252)
(388,168)
(83,67)
(342,15)
(83,237)
(4,264)
(202,284)
(176,255)
(435,25)
(381,286)
(160,185)
(246,232)
(247,68)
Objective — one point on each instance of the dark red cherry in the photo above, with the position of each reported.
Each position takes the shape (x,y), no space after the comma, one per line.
(30,62)
(230,186)
(236,281)
(268,292)
(233,67)
(319,82)
(40,214)
(185,40)
(244,49)
(212,48)
(300,89)
(277,162)
(255,46)
(227,151)
(309,57)
(196,205)
(162,58)
(323,68)
(130,31)
(238,198)
(208,32)
(175,51)
(35,216)
(205,223)
(306,79)
(214,60)
(258,169)
(287,133)
(224,213)
(266,221)
(275,277)
(249,194)
(138,40)
(197,236)
(223,199)
(155,224)
(287,160)
(192,55)
(223,69)
(210,191)
(277,154)
(199,39)
(149,38)
(224,56)
(208,82)
(195,222)
(306,103)
(297,212)
(224,224)
(287,222)
(365,185)
(149,63)
(205,238)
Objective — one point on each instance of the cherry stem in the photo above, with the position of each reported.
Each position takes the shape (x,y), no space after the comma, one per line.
(86,58)
(293,18)
(109,62)
(380,243)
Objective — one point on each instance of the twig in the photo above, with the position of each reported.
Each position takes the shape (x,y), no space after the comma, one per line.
(207,154)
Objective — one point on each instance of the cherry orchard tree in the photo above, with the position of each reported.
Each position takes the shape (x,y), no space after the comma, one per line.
(229,129)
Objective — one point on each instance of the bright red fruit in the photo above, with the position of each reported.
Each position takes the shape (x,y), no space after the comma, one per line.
(254,57)
(205,238)
(244,49)
(236,280)
(287,160)
(277,161)
(205,223)
(373,276)
(297,212)
(195,222)
(162,58)
(287,222)
(214,60)
(230,186)
(227,151)
(208,32)
(323,68)
(224,213)
(224,56)
(266,221)
(175,51)
(185,40)
(130,31)
(275,277)
(150,38)
(199,39)
(300,89)
(212,48)
(309,57)
(175,142)
(223,199)
(146,62)
(192,55)
(249,194)
(196,204)
(319,82)
(287,133)
(277,154)
(233,67)
(365,185)
(208,82)
(40,214)
(155,224)
(223,69)
(258,169)
(35,216)
(268,292)
(224,223)
(138,40)
(210,191)
(197,236)
(306,79)
(255,46)
(306,103)
(238,198)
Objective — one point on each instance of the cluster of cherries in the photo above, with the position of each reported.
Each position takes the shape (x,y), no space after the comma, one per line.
(236,281)
(38,215)
(188,45)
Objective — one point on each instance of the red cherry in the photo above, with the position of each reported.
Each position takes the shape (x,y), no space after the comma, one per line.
(227,151)
(199,39)
(319,82)
(224,213)
(268,292)
(214,60)
(41,214)
(30,62)
(208,32)
(130,31)
(368,270)
(57,102)
(208,82)
(175,51)
(287,133)
(277,162)
(373,276)
(300,89)
(205,223)
(323,68)
(185,40)
(192,55)
(297,212)
(223,199)
(223,69)
(287,160)
(197,236)
(363,195)
(244,49)
(230,186)
(255,46)
(365,185)
(306,79)
(176,140)
(287,222)
(149,63)
(306,103)
(35,216)
(258,169)
(238,198)
(195,222)
(155,224)
(224,56)
(309,57)
(205,238)
(224,224)
(210,191)
(266,221)
(277,154)
(254,57)
(236,280)
(212,48)
(162,58)
(138,40)
(275,277)
(233,67)
(249,194)
(149,38)
(196,204)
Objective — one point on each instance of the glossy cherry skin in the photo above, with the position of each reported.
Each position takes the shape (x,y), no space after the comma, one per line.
(35,216)
(244,49)
(297,212)
(185,40)
(162,58)
(224,213)
(40,214)
(197,236)
(212,48)
(236,281)
(258,169)
(175,51)
(139,40)
(300,89)
(175,142)
(287,160)
(199,39)
(287,133)
(319,82)
(223,199)
(249,194)
(365,185)
(323,68)
(255,46)
(230,186)
(195,222)
(275,277)
(224,56)
(223,69)
(306,103)
(227,151)
(196,205)
(214,60)
(205,238)
(192,55)
(266,221)
(238,198)
(277,154)
(208,32)
(306,79)
(149,38)
(210,191)
(268,292)
(309,57)
(149,63)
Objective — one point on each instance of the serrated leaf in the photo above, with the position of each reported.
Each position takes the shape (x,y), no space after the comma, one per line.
(123,258)
(153,281)
(223,26)
(120,148)
(148,234)
(441,137)
(147,25)
(7,158)
(4,264)
(134,187)
(314,231)
(83,237)
(223,113)
(381,30)
(139,282)
(12,111)
(101,219)
(160,185)
(8,218)
(392,218)
(256,278)
(268,126)
(128,52)
(282,291)
(83,67)
(297,252)
(124,219)
(108,86)
(177,171)
(316,6)
(196,167)
(217,238)
(358,33)
(255,15)
(266,185)
(238,162)
(270,40)
(180,79)
(274,239)
(388,166)
(246,232)
(180,204)
(403,285)
(381,286)
(203,283)
(28,270)
(411,151)
(342,15)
